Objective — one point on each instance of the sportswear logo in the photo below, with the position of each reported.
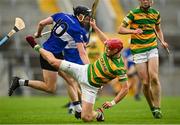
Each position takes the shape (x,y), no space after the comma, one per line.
(103,64)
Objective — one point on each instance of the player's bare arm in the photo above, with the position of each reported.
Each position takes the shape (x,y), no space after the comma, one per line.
(122,93)
(100,34)
(83,53)
(41,26)
(161,36)
(124,30)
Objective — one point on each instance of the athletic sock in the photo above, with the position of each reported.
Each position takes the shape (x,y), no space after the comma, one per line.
(31,41)
(37,47)
(71,108)
(77,106)
(155,108)
(23,82)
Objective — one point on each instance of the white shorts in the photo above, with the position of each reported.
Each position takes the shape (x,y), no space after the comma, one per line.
(79,72)
(144,57)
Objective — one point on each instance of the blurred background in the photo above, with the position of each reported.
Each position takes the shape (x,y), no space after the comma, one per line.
(18,59)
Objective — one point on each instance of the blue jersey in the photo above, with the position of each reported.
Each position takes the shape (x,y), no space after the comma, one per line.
(127,54)
(72,55)
(71,52)
(66,29)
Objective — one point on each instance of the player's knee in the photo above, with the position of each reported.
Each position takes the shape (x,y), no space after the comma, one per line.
(54,63)
(86,118)
(146,86)
(51,89)
(145,81)
(154,79)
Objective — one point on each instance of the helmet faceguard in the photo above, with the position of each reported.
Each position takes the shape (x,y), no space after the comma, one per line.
(83,14)
(82,10)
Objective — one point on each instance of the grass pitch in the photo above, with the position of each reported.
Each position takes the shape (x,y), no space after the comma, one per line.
(49,110)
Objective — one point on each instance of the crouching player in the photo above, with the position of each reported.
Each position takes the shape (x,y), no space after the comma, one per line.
(92,77)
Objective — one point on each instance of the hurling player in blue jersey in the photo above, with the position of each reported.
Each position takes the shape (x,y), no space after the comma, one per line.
(67,29)
(133,78)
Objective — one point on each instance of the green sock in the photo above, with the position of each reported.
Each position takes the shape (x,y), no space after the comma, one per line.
(37,47)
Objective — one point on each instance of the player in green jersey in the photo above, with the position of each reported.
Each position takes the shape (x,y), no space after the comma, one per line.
(92,77)
(142,22)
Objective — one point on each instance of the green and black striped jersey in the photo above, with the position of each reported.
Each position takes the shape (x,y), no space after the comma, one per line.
(145,20)
(105,69)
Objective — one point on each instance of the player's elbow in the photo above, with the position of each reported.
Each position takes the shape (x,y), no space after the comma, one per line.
(121,30)
(42,24)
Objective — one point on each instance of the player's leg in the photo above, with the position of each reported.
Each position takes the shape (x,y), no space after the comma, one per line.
(79,72)
(49,75)
(154,80)
(89,94)
(141,64)
(142,71)
(71,85)
(49,83)
(78,91)
(155,86)
(133,81)
(72,90)
(49,72)
(56,63)
(88,114)
(153,63)
(138,88)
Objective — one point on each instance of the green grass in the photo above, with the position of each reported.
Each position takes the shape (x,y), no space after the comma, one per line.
(48,110)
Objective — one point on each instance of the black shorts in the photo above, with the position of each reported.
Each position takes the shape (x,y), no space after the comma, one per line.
(46,65)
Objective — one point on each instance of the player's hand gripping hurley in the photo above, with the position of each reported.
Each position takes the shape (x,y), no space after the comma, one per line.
(19,25)
(167,49)
(94,7)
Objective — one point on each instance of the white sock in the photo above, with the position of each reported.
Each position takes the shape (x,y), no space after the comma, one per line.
(21,82)
(78,108)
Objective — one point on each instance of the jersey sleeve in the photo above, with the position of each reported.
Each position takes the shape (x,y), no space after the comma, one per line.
(123,75)
(57,16)
(158,20)
(122,78)
(128,19)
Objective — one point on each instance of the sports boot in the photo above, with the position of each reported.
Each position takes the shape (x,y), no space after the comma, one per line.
(157,113)
(100,117)
(14,85)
